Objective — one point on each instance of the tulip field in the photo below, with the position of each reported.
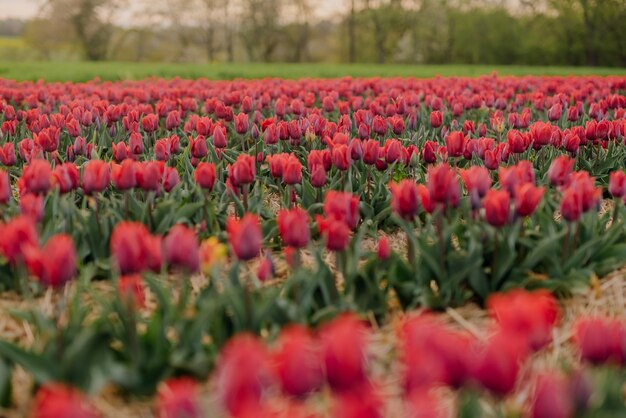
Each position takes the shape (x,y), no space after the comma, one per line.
(347,247)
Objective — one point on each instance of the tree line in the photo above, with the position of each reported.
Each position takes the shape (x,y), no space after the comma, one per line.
(546,32)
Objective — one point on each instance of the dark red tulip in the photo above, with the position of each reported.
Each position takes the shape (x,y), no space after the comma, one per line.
(571,143)
(293,226)
(318,176)
(266,269)
(362,402)
(121,151)
(429,152)
(404,199)
(172,121)
(205,175)
(162,149)
(244,236)
(180,248)
(516,141)
(379,125)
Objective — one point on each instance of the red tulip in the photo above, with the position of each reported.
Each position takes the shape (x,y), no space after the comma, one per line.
(245,236)
(527,198)
(172,121)
(150,175)
(455,143)
(516,141)
(135,144)
(335,232)
(32,205)
(344,342)
(205,175)
(429,154)
(293,226)
(130,289)
(477,182)
(5,187)
(181,250)
(571,205)
(384,250)
(170,178)
(65,177)
(342,206)
(219,137)
(404,199)
(37,176)
(436,119)
(7,154)
(497,206)
(341,157)
(498,362)
(318,176)
(371,151)
(178,398)
(17,235)
(554,113)
(55,400)
(121,151)
(133,249)
(266,269)
(150,123)
(242,373)
(242,123)
(124,176)
(572,114)
(96,176)
(379,125)
(363,402)
(292,171)
(392,150)
(162,149)
(243,170)
(551,398)
(198,147)
(617,184)
(528,314)
(443,185)
(601,340)
(560,169)
(297,361)
(55,263)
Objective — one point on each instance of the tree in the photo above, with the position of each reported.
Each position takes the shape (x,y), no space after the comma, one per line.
(91,21)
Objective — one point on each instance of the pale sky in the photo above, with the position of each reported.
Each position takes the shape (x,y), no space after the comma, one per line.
(24,9)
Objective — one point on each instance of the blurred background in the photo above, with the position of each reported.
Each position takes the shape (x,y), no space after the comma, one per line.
(489,32)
